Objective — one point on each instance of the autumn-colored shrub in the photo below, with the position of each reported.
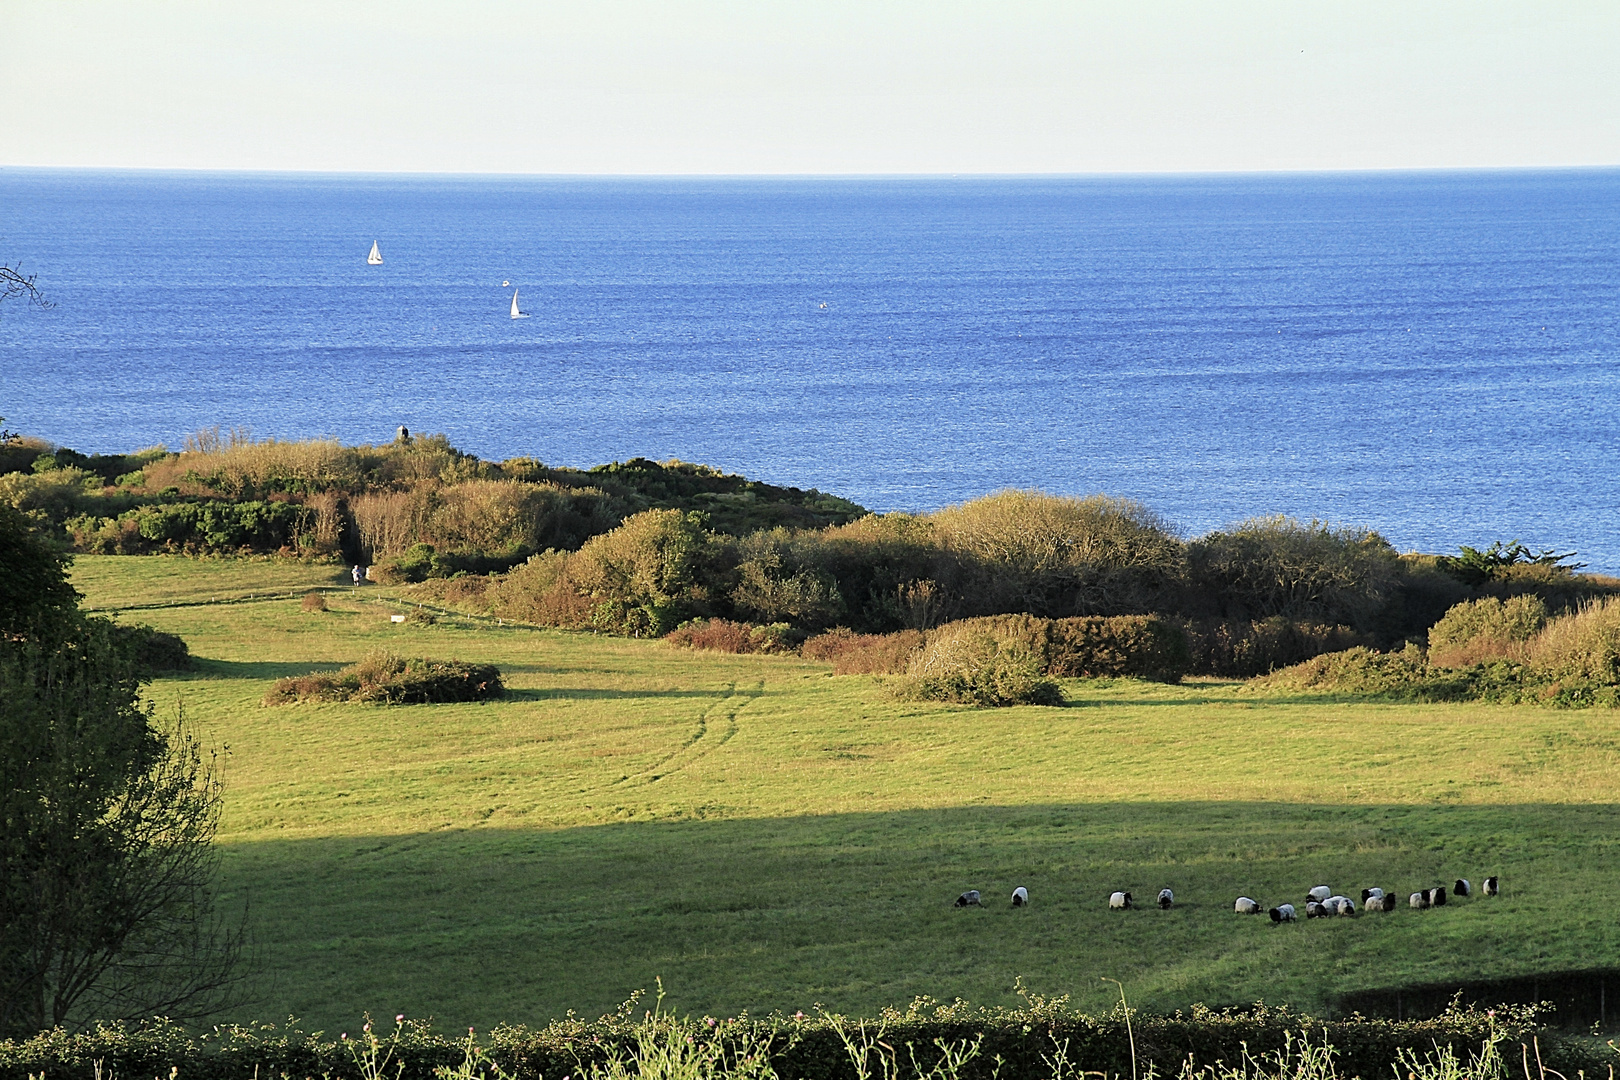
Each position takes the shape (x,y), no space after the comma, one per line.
(1476,631)
(971,663)
(863,654)
(313,602)
(721,635)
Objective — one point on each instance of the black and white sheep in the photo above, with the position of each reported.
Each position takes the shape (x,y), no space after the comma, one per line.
(1166,898)
(1381,903)
(1314,910)
(1437,896)
(1319,894)
(1282,913)
(1492,886)
(1247,906)
(1419,900)
(1119,901)
(1373,893)
(969,899)
(1020,897)
(1339,905)
(1461,887)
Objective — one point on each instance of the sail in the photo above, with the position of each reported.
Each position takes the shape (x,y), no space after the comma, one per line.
(516,314)
(375,258)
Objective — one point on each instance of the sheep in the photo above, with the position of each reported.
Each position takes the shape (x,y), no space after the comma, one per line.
(1246,906)
(969,899)
(1166,898)
(1373,893)
(1313,910)
(1419,900)
(1020,897)
(1346,906)
(1462,888)
(1492,886)
(1381,903)
(1282,913)
(1437,896)
(1319,894)
(1119,901)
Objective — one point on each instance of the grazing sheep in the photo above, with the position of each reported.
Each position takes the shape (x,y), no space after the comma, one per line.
(1345,906)
(1374,893)
(1246,906)
(1381,903)
(1020,897)
(1462,888)
(1282,913)
(1437,896)
(1119,901)
(1166,898)
(1319,894)
(1419,900)
(969,899)
(1492,886)
(1313,910)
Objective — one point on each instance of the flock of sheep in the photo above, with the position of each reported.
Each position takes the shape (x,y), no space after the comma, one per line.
(1321,902)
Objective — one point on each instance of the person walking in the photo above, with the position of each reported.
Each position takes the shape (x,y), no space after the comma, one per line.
(359,575)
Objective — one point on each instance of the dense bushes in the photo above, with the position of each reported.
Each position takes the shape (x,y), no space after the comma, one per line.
(1042,1041)
(721,635)
(1275,566)
(864,654)
(387,679)
(1486,650)
(978,662)
(1242,648)
(1486,629)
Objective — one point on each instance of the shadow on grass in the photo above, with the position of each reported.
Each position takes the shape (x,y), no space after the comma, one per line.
(514,922)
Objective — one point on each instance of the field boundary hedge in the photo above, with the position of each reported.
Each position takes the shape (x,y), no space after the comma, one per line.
(1022,1044)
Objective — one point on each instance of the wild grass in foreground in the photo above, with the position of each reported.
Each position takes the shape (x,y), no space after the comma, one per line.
(1040,1040)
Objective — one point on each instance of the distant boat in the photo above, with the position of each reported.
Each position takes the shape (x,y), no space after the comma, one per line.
(516,314)
(375,258)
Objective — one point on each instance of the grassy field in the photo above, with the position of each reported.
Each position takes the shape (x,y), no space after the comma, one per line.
(762,835)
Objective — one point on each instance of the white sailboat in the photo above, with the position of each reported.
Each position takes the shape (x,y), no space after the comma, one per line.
(375,258)
(516,314)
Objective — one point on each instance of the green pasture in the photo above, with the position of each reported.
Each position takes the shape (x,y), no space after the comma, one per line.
(764,836)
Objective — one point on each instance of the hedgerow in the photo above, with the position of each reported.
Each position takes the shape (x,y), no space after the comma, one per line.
(1041,1041)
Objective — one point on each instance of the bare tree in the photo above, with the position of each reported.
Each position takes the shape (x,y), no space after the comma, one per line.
(13,284)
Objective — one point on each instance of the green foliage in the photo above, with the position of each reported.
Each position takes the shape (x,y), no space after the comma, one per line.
(980,663)
(106,822)
(1242,648)
(1474,567)
(775,584)
(1026,551)
(384,678)
(1043,1040)
(720,635)
(648,575)
(1581,647)
(1276,566)
(1486,629)
(33,576)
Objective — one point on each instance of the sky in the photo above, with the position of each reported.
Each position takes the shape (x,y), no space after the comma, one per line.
(801,86)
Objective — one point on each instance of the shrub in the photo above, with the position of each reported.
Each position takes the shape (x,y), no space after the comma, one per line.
(646,576)
(1032,552)
(1404,675)
(773,584)
(541,591)
(976,665)
(1094,646)
(1583,646)
(864,654)
(154,650)
(313,602)
(1270,566)
(1486,629)
(387,679)
(1242,648)
(719,635)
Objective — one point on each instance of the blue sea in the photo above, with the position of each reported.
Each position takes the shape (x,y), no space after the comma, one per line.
(1435,355)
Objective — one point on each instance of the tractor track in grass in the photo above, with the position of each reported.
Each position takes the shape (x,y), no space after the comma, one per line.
(721,713)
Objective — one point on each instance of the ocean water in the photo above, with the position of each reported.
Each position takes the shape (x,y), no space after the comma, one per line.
(1435,355)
